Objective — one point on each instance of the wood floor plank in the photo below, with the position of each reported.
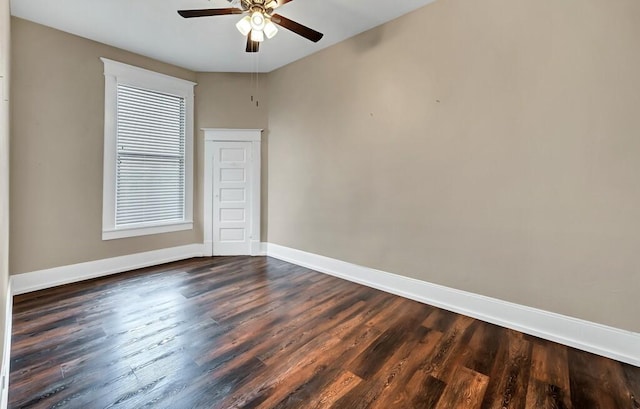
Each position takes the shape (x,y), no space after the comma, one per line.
(342,384)
(600,384)
(424,392)
(255,332)
(632,375)
(291,370)
(549,384)
(369,362)
(544,395)
(440,320)
(482,349)
(465,390)
(387,375)
(442,361)
(510,382)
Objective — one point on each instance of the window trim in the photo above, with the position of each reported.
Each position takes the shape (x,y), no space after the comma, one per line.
(114,73)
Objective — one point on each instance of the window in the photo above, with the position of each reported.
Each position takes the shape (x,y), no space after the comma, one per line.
(148,152)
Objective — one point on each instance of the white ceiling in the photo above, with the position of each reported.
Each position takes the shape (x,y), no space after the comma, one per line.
(154,29)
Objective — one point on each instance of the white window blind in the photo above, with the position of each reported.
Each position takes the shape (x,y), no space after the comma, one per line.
(147,185)
(150,157)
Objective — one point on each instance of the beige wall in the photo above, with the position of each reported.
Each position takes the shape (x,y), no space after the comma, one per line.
(491,146)
(223,100)
(4,167)
(57,124)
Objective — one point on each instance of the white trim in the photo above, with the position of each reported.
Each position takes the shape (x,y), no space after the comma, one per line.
(208,197)
(145,230)
(208,248)
(51,277)
(114,73)
(144,77)
(232,135)
(6,353)
(254,136)
(257,248)
(256,199)
(588,336)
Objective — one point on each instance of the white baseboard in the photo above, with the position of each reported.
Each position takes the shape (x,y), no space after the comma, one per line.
(51,277)
(599,339)
(6,353)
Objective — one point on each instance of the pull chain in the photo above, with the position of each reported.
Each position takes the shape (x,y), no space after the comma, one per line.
(255,84)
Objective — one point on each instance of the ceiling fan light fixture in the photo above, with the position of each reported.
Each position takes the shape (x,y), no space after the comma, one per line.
(244,25)
(257,21)
(257,36)
(270,29)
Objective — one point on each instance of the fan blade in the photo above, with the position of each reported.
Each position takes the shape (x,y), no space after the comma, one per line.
(209,12)
(252,46)
(297,28)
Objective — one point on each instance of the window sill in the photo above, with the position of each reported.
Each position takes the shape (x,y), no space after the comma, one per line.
(144,231)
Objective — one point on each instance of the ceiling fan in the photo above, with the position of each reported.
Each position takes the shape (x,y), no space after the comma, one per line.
(260,21)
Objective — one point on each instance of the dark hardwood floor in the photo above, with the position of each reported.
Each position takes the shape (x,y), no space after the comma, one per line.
(241,332)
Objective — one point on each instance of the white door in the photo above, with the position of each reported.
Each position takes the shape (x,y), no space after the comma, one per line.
(232,198)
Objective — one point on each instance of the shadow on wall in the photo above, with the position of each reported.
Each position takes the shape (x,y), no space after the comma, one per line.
(368,40)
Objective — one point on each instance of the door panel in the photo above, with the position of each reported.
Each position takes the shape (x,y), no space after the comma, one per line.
(231,198)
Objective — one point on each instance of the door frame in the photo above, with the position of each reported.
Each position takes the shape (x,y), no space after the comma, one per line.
(254,136)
